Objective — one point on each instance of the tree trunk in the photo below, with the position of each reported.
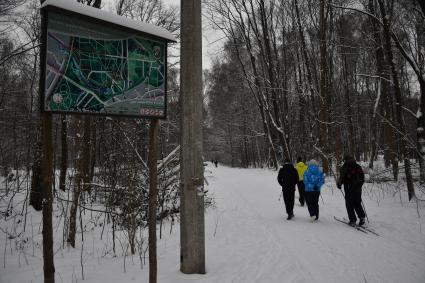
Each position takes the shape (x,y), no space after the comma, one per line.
(351,136)
(78,181)
(390,147)
(64,153)
(257,92)
(270,68)
(420,129)
(86,151)
(420,132)
(323,89)
(93,149)
(36,190)
(398,99)
(307,72)
(422,3)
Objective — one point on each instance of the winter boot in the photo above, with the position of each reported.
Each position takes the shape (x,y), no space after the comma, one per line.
(352,223)
(361,221)
(290,217)
(301,202)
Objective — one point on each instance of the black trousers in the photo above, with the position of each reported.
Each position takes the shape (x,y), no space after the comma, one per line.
(312,200)
(301,191)
(288,198)
(353,203)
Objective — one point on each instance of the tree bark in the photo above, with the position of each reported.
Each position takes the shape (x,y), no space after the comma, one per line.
(64,153)
(351,136)
(270,67)
(390,144)
(323,89)
(422,3)
(420,129)
(36,189)
(398,99)
(78,181)
(86,153)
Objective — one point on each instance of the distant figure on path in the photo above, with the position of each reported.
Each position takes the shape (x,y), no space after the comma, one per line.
(301,167)
(352,177)
(215,163)
(313,180)
(288,178)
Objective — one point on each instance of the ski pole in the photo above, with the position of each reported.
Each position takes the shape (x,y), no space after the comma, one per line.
(365,213)
(342,193)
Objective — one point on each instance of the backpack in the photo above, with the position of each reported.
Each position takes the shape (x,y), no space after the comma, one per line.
(355,176)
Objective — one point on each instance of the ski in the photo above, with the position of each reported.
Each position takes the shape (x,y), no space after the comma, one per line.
(360,228)
(369,230)
(346,222)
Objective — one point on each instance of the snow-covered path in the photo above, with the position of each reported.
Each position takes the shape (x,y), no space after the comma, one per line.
(249,240)
(254,242)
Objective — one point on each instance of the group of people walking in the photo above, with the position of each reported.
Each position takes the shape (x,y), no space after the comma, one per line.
(309,179)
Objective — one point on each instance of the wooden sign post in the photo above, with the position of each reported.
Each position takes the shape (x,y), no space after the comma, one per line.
(77,40)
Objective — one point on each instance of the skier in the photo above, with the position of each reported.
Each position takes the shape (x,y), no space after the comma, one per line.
(352,177)
(301,167)
(288,178)
(313,180)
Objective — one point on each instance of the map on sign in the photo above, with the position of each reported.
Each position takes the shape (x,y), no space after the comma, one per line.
(95,69)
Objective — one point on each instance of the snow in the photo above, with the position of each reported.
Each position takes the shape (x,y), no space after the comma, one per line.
(248,239)
(89,11)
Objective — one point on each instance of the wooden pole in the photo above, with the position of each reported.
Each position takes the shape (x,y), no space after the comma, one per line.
(46,188)
(192,231)
(152,163)
(46,167)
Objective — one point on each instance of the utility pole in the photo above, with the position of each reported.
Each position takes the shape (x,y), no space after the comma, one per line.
(192,230)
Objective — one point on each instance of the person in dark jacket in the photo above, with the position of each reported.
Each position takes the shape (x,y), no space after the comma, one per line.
(288,178)
(352,177)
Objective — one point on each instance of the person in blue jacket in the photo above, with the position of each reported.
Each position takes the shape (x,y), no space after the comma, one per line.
(313,180)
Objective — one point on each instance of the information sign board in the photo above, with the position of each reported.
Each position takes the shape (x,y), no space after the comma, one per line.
(96,68)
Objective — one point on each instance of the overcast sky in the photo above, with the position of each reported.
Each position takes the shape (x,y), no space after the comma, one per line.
(211,43)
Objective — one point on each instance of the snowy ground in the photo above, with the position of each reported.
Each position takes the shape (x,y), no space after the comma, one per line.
(248,239)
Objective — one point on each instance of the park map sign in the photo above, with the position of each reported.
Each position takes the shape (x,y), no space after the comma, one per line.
(93,66)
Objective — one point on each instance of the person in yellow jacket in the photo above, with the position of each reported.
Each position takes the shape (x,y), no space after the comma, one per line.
(301,167)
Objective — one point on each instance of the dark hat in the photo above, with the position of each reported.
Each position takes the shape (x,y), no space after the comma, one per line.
(348,157)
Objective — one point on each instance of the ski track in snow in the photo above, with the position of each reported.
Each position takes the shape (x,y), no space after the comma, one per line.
(249,240)
(301,251)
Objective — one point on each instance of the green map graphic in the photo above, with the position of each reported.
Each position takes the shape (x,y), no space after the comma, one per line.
(107,72)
